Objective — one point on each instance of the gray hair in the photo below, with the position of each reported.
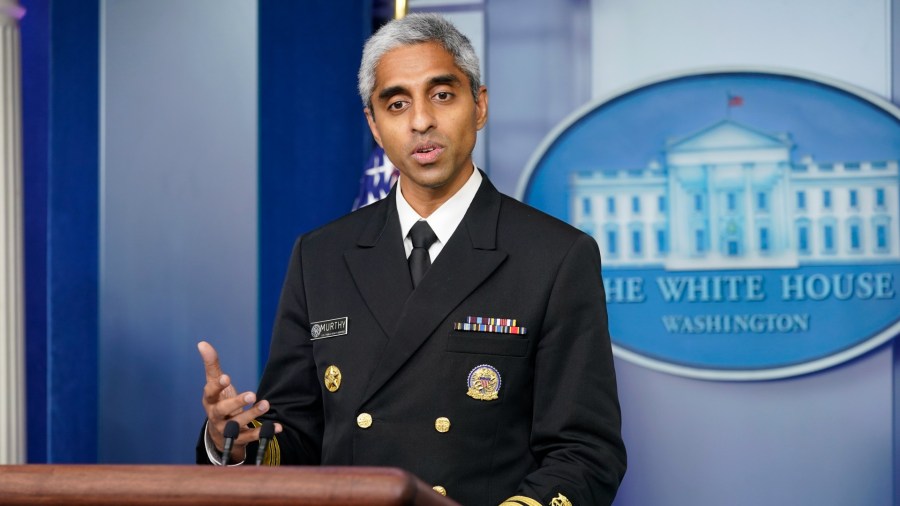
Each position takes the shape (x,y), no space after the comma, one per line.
(416,29)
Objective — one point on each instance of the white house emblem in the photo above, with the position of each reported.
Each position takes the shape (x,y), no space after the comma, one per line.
(744,229)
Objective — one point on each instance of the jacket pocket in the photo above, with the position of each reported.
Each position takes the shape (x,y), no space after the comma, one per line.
(487,343)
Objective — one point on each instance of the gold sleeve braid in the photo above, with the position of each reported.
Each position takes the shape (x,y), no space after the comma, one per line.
(272,456)
(520,500)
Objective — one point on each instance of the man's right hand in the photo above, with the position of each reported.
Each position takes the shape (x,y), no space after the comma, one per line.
(222,403)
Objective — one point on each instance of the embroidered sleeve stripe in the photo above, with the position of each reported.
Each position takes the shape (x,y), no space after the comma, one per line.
(272,456)
(521,499)
(273,453)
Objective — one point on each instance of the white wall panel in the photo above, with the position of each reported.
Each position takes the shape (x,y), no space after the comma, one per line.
(638,40)
(178,216)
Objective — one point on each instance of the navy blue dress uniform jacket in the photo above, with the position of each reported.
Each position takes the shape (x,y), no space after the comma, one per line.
(554,427)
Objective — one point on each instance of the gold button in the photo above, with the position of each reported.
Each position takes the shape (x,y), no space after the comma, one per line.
(440,490)
(332,378)
(442,424)
(364,420)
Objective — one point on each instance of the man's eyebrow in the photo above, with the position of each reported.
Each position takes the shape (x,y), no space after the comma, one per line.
(390,91)
(444,79)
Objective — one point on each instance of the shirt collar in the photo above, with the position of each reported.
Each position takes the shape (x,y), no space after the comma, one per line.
(445,218)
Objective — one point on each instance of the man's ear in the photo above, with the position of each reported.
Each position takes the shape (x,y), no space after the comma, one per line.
(370,118)
(481,108)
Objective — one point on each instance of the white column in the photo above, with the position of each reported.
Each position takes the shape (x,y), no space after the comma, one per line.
(751,237)
(712,213)
(12,328)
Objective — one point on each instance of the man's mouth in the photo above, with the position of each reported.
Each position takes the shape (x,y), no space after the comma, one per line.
(427,153)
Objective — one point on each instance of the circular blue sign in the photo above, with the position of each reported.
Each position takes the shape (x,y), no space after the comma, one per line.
(748,221)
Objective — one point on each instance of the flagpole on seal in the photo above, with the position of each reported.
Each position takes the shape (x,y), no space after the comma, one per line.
(401,9)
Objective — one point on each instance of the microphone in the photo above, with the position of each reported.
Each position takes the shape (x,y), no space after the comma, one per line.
(266,433)
(231,431)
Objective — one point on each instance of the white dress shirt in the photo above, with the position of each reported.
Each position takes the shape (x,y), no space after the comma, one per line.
(443,220)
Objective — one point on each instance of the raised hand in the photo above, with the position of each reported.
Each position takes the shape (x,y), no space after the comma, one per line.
(222,403)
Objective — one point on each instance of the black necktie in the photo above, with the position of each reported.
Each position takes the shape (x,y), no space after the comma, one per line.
(419,261)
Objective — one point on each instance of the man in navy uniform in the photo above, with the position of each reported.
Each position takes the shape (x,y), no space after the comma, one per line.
(448,329)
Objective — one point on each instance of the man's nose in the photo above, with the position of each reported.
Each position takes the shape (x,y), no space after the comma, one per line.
(422,119)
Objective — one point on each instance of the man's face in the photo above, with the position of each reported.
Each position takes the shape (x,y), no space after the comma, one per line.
(424,116)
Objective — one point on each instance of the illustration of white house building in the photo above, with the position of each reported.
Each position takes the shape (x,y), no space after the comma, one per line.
(730,196)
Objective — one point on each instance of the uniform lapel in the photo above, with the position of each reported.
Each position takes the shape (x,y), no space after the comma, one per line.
(379,268)
(468,258)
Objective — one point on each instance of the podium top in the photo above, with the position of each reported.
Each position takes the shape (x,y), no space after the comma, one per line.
(135,485)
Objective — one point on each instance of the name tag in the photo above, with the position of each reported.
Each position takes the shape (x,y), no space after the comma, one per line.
(329,328)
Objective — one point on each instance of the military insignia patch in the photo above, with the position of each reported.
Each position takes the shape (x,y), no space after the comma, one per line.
(484,383)
(332,378)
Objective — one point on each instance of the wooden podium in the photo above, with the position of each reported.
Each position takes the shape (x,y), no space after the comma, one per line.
(207,485)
